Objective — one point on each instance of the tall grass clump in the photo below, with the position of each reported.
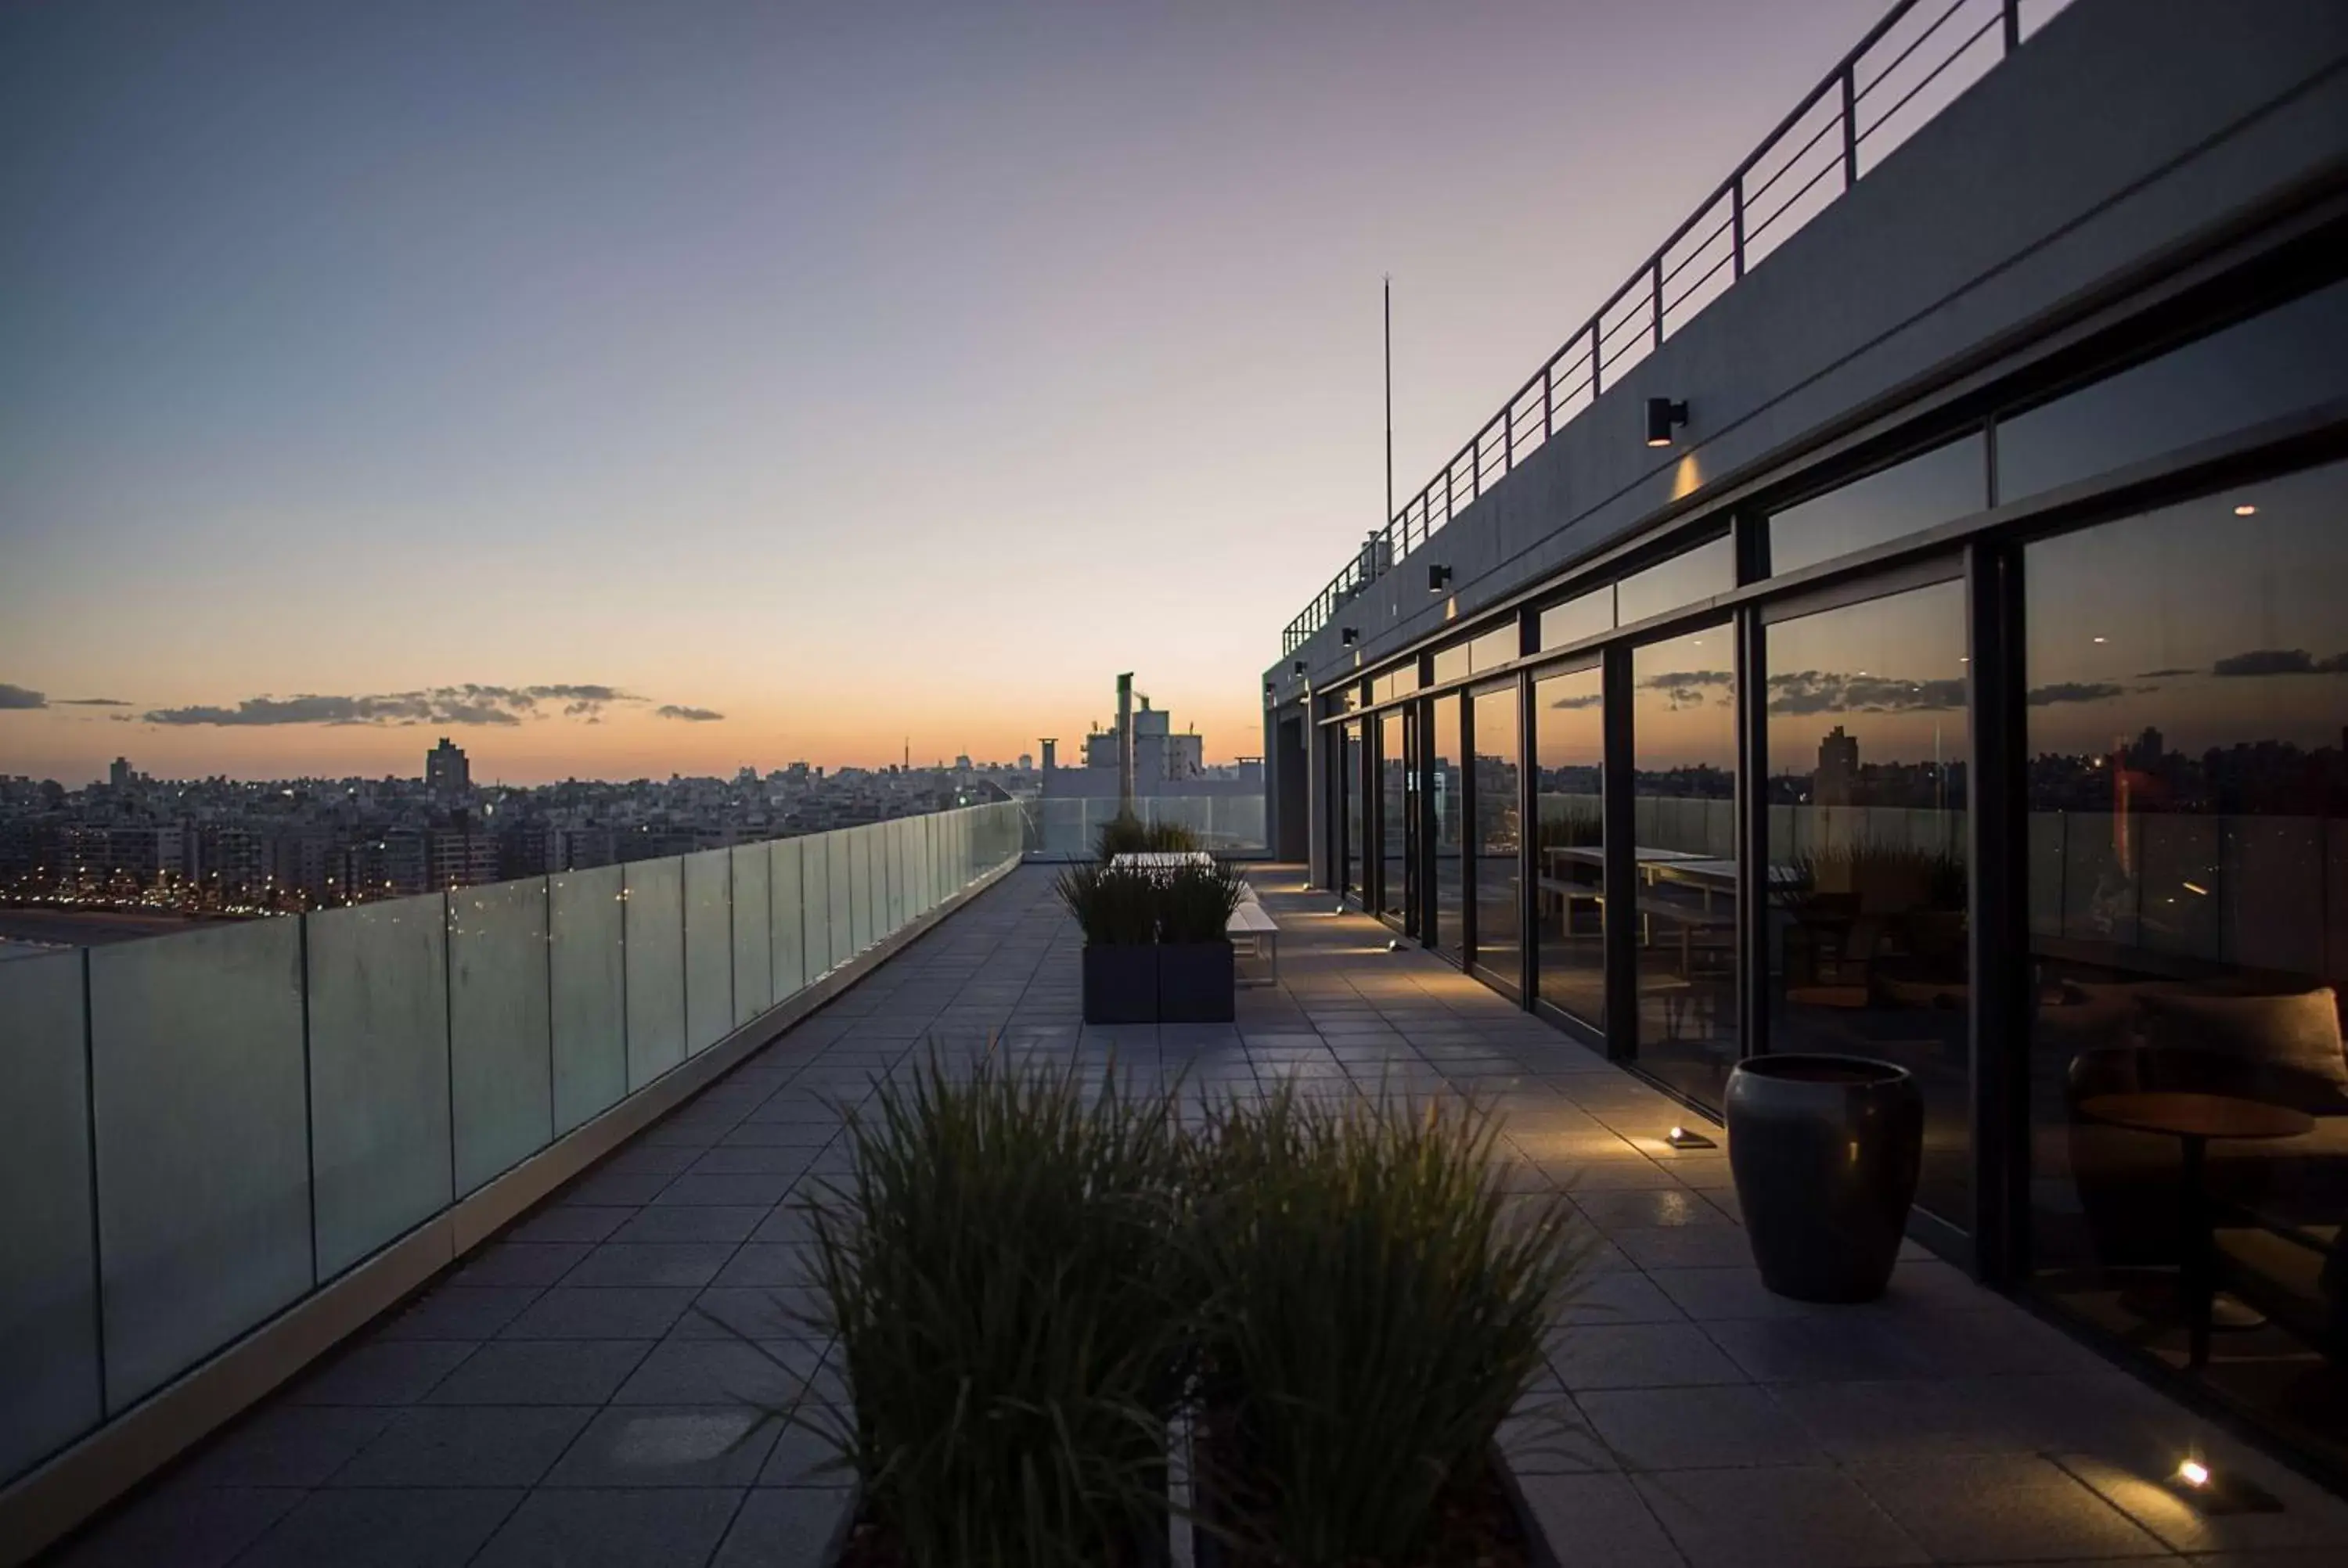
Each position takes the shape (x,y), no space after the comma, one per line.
(1195,903)
(1112,905)
(1125,833)
(998,1269)
(1374,1306)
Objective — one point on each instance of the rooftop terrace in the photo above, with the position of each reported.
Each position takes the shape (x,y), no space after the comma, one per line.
(572,1391)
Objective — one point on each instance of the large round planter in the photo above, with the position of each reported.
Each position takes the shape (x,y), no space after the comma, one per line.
(1825,1150)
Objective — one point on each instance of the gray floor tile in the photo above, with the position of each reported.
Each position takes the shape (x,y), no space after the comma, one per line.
(1648,1208)
(669,1445)
(1638,1355)
(542,1372)
(1601,1518)
(571,1222)
(1826,1347)
(1909,1420)
(803,1455)
(653,1527)
(1810,1518)
(611,1312)
(651,1264)
(693,1223)
(453,1445)
(779,1311)
(2001,1508)
(1684,1247)
(767,1264)
(771,1374)
(287,1445)
(1697,1429)
(521,1263)
(1711,1294)
(394,1527)
(458,1312)
(381,1372)
(184,1525)
(704,1189)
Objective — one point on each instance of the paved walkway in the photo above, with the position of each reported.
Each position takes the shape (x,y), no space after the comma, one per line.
(571,1394)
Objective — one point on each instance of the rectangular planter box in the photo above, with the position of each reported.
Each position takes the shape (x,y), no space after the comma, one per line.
(1120,984)
(1195,982)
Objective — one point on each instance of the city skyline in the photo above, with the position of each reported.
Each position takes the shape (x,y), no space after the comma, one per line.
(852,377)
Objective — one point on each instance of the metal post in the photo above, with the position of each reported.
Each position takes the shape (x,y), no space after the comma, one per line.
(1997,859)
(1597,352)
(1736,226)
(1656,276)
(1548,384)
(2012,25)
(1389,334)
(1849,126)
(1621,872)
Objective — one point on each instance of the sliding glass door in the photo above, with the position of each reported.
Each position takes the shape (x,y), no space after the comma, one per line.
(1497,833)
(1446,778)
(1397,833)
(1568,725)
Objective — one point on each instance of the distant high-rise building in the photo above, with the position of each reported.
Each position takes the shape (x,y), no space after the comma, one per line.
(446,774)
(119,774)
(1838,773)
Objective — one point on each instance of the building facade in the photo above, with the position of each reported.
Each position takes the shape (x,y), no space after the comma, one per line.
(1932,648)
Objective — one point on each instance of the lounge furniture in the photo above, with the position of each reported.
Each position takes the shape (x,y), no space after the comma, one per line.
(1251,924)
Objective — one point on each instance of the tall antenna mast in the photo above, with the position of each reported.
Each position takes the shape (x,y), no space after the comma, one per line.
(1388,518)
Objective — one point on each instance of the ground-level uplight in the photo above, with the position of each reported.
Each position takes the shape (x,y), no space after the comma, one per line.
(1688,1138)
(2193,1473)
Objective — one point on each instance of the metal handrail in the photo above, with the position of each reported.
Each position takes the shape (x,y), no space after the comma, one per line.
(1641,313)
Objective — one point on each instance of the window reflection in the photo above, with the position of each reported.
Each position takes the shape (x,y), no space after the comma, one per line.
(1349,784)
(1499,885)
(1570,837)
(1584,616)
(1683,782)
(1867,747)
(1692,575)
(2189,931)
(1951,481)
(1393,831)
(1447,779)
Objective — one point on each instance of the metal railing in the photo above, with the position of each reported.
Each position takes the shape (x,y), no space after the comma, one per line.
(1910,65)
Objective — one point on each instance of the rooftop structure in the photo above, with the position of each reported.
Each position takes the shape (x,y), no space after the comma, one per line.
(1889,627)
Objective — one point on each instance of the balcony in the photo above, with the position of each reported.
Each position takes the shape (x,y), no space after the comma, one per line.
(572,1390)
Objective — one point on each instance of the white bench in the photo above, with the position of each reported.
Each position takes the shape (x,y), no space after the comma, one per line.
(1250,923)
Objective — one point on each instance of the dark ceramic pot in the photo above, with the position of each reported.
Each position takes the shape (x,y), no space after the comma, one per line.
(1120,983)
(1825,1151)
(1195,982)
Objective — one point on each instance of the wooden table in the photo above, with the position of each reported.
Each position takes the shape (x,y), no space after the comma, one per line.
(2193,1120)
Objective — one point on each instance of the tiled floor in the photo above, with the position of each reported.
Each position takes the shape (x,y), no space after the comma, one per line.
(573,1394)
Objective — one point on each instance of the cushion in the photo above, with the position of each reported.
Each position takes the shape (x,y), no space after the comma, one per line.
(2286,1047)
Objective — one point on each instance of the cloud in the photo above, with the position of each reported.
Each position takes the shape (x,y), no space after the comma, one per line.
(1686,687)
(2074,691)
(2164,674)
(1592,700)
(20,697)
(691,715)
(2280,661)
(1830,691)
(471,704)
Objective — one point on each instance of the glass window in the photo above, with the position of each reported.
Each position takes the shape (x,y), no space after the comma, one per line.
(1394,794)
(2187,800)
(1350,783)
(1493,649)
(1569,838)
(2261,369)
(1451,663)
(1683,782)
(1868,746)
(1349,700)
(1499,885)
(1585,616)
(1446,777)
(1951,481)
(1692,575)
(1400,681)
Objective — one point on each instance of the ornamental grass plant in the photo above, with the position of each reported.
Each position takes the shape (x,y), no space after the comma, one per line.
(1113,905)
(1373,1308)
(1013,1317)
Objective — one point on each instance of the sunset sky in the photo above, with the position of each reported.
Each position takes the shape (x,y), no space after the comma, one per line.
(629,389)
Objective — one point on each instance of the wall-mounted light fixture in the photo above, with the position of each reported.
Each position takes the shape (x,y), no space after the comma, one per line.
(1296,668)
(1349,635)
(1438,577)
(1664,415)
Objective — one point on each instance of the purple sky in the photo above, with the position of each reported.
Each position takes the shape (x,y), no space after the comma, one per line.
(856,372)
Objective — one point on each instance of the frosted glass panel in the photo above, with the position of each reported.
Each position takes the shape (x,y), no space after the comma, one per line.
(785,899)
(754,956)
(901,887)
(49,1313)
(378,1073)
(836,847)
(859,881)
(655,941)
(591,998)
(204,1153)
(500,1035)
(708,949)
(815,902)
